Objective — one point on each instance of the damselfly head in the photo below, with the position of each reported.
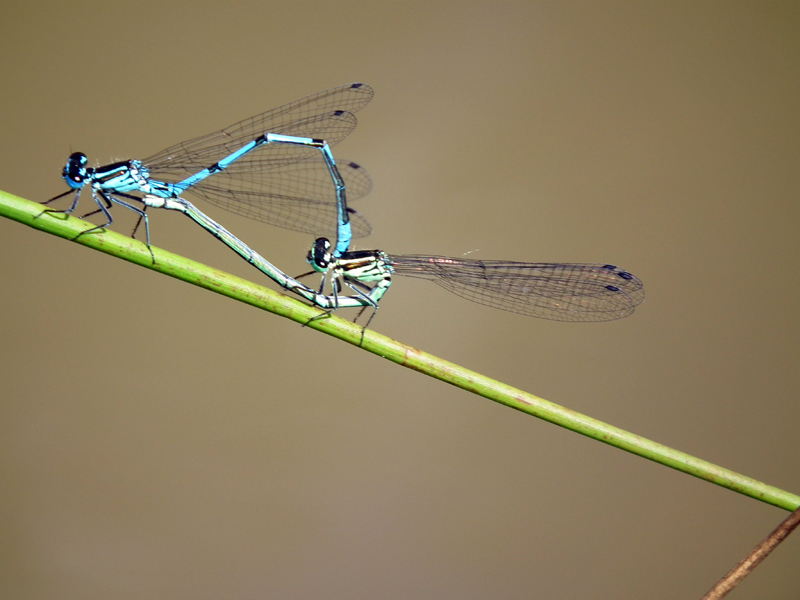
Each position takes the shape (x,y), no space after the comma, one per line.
(320,257)
(75,171)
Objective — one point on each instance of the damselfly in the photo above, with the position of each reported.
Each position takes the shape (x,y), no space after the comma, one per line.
(287,182)
(554,291)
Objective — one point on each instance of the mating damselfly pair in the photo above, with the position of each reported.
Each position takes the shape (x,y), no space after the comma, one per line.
(278,168)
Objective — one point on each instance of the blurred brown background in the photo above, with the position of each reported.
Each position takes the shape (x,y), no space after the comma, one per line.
(162,442)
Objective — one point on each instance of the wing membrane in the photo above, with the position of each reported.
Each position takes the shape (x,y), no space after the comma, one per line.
(327,115)
(280,184)
(558,292)
(297,196)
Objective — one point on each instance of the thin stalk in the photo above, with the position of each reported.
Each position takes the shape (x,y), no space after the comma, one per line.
(748,564)
(110,242)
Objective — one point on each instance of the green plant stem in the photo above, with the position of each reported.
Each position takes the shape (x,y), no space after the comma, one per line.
(110,242)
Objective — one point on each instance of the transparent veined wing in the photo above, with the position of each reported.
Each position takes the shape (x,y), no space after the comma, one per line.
(298,196)
(280,184)
(327,115)
(558,292)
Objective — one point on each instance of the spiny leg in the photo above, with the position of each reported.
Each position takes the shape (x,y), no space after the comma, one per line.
(97,210)
(65,212)
(143,216)
(306,274)
(354,285)
(139,211)
(104,208)
(101,208)
(142,212)
(336,287)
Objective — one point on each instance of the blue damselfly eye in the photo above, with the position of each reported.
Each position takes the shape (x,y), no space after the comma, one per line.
(75,170)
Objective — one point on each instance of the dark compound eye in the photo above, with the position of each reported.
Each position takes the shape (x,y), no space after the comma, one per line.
(317,258)
(79,157)
(75,170)
(319,254)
